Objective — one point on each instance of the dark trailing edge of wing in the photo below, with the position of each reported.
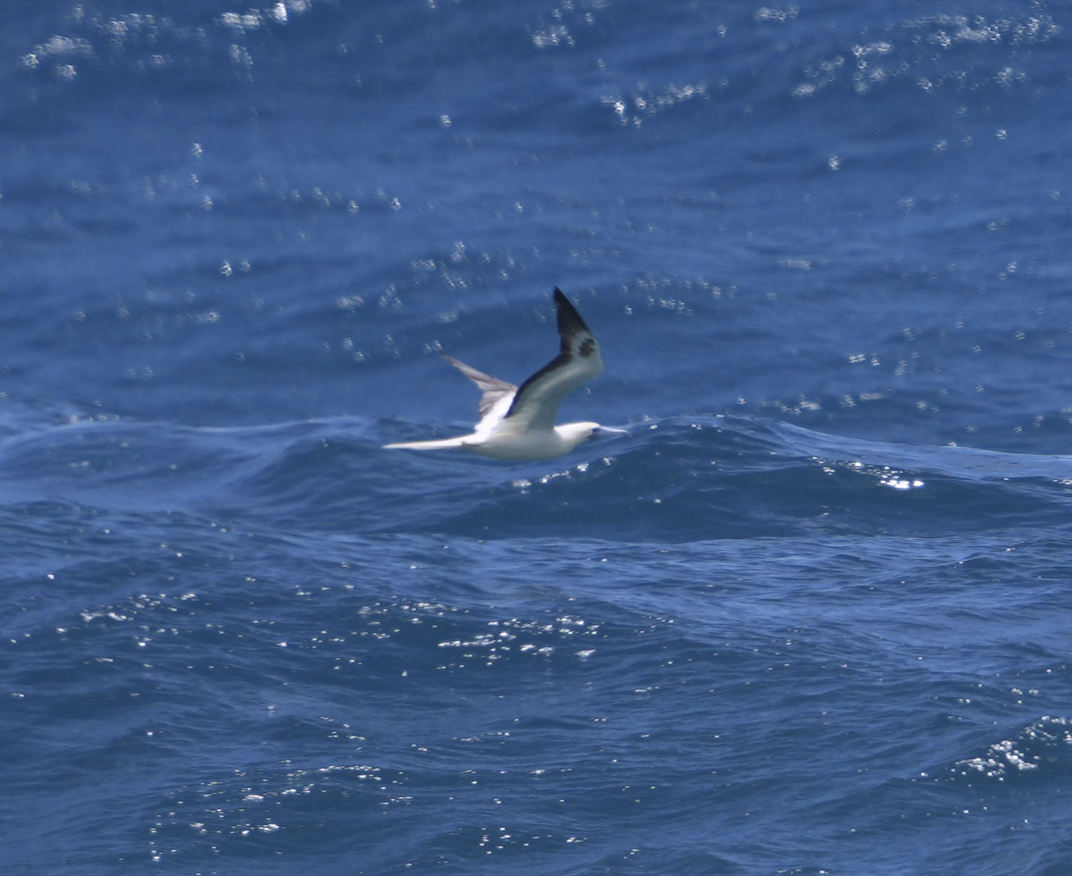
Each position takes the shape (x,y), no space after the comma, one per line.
(570,324)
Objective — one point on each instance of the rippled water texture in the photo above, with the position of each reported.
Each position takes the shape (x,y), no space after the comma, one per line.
(810,616)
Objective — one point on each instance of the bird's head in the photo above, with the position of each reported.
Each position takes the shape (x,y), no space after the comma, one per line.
(577,433)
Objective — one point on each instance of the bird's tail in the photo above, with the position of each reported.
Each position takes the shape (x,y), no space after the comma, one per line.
(442,444)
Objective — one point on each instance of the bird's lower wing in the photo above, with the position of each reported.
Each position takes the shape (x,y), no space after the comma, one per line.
(442,444)
(493,389)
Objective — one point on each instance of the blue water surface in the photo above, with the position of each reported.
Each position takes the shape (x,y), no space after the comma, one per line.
(811,616)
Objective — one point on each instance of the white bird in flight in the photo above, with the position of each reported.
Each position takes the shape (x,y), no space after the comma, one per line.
(520,423)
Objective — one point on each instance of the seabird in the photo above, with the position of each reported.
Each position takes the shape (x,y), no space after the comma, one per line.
(520,423)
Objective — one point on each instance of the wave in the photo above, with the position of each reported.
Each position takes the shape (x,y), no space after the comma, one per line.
(673,480)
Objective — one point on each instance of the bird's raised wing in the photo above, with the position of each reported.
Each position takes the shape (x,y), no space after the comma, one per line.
(536,403)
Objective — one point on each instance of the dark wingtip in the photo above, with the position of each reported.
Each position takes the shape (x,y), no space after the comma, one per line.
(570,322)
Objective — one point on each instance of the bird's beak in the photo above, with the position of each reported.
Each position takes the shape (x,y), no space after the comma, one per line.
(600,431)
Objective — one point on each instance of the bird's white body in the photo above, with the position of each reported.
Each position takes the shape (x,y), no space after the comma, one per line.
(520,423)
(511,444)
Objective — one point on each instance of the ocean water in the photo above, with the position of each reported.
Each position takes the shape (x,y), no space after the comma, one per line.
(811,616)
